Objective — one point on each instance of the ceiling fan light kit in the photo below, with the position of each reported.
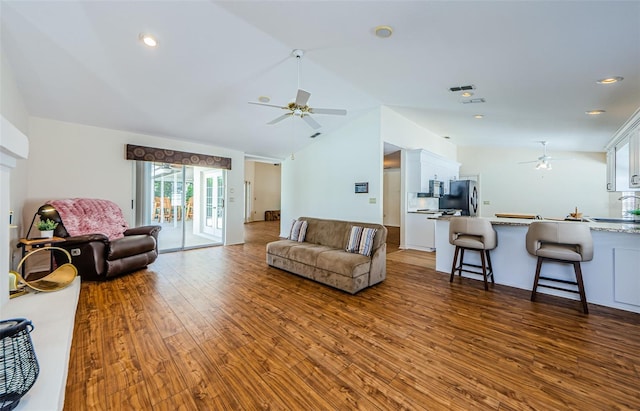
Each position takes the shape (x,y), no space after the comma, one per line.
(610,80)
(148,40)
(299,107)
(544,161)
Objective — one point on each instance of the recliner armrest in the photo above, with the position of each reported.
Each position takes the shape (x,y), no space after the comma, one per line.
(81,239)
(147,229)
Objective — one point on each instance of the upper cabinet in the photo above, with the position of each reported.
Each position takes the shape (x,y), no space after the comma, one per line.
(423,166)
(611,169)
(634,159)
(623,157)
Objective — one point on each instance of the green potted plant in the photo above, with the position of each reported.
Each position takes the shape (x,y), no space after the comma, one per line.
(46,227)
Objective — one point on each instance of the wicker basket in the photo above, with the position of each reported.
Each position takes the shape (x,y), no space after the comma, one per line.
(18,363)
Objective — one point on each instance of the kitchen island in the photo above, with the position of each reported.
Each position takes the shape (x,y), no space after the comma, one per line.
(611,279)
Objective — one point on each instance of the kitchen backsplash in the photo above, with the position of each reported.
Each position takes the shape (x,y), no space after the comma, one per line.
(424,203)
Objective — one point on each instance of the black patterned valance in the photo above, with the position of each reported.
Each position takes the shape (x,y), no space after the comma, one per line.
(159,155)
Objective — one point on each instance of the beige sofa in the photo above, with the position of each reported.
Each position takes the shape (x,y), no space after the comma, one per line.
(322,256)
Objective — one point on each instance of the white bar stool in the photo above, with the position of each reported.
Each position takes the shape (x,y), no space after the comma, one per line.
(477,234)
(564,242)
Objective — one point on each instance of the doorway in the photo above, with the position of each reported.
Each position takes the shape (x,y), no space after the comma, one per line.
(186,201)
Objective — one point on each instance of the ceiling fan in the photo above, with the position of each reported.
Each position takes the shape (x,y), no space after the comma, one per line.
(544,161)
(299,107)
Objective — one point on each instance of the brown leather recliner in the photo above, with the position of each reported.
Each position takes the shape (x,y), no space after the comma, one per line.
(98,238)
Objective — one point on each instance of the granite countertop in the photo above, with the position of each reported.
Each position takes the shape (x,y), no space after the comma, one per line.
(610,227)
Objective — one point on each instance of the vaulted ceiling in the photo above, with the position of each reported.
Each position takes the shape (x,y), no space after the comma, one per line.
(534,63)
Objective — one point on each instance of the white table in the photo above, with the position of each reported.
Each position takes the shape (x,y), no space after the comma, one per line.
(53,316)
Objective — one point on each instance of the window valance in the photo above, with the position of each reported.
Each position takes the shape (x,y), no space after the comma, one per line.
(159,155)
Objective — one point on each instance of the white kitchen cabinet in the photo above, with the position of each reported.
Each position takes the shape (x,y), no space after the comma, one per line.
(611,169)
(634,159)
(626,277)
(420,232)
(423,165)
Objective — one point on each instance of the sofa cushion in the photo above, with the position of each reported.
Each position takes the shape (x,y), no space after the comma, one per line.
(343,263)
(280,248)
(307,253)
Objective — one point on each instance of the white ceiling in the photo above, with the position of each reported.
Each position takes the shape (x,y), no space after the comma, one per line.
(535,63)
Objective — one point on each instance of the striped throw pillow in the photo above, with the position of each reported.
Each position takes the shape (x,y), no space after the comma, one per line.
(361,240)
(354,239)
(366,241)
(298,230)
(303,231)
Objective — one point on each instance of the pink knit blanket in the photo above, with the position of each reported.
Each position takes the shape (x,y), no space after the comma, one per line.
(81,216)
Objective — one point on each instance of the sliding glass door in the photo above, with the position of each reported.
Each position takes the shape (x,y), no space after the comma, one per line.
(187,201)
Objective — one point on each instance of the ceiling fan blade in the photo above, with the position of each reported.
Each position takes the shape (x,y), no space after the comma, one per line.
(336,111)
(528,162)
(314,124)
(268,105)
(302,98)
(282,117)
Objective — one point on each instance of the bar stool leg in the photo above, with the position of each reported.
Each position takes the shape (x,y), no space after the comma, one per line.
(484,269)
(453,266)
(490,266)
(535,282)
(583,297)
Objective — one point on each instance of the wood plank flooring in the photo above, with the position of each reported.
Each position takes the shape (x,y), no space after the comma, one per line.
(217,329)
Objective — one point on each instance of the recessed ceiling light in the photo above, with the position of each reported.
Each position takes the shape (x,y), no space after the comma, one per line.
(383,31)
(467,94)
(264,99)
(478,116)
(594,112)
(148,40)
(609,80)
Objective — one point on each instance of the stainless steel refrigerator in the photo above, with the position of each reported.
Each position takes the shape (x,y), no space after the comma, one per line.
(463,195)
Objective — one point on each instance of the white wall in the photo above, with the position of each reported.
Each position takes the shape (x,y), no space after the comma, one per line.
(320,181)
(520,188)
(72,160)
(266,189)
(402,132)
(250,177)
(13,183)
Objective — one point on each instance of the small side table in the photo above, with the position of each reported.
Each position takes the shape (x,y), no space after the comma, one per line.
(33,243)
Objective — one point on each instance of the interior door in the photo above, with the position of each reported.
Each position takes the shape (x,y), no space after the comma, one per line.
(213,203)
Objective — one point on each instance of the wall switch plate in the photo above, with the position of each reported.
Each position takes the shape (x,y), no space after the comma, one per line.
(372,200)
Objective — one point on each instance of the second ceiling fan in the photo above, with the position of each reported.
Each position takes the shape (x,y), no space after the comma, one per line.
(299,107)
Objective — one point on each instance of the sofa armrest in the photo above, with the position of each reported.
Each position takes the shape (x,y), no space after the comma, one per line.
(378,271)
(81,239)
(147,229)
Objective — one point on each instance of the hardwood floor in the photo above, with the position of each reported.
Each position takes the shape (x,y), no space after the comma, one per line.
(217,329)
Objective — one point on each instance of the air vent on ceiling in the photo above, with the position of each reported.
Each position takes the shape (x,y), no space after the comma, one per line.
(473,101)
(314,135)
(462,88)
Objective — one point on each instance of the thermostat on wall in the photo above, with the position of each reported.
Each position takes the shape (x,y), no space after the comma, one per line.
(362,188)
